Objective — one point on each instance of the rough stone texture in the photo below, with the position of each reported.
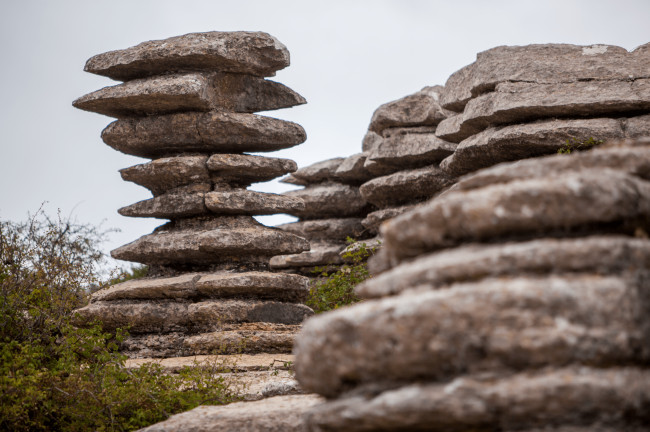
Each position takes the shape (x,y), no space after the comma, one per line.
(261,285)
(211,132)
(511,209)
(168,206)
(237,363)
(542,64)
(252,53)
(370,141)
(518,102)
(320,254)
(276,414)
(565,400)
(373,220)
(405,186)
(418,109)
(189,92)
(318,172)
(327,200)
(163,174)
(604,255)
(370,245)
(410,148)
(246,169)
(495,325)
(326,229)
(352,170)
(249,202)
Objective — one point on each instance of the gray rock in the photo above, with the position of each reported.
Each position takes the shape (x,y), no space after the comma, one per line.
(377,169)
(326,229)
(352,170)
(519,102)
(195,91)
(244,202)
(320,254)
(418,109)
(547,63)
(598,254)
(276,414)
(496,325)
(523,207)
(247,169)
(168,206)
(164,316)
(237,239)
(370,141)
(318,172)
(251,53)
(564,400)
(281,388)
(510,143)
(637,127)
(370,246)
(262,285)
(212,132)
(407,148)
(160,175)
(327,200)
(373,220)
(405,186)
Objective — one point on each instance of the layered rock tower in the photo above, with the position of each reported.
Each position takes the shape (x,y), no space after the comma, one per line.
(187,103)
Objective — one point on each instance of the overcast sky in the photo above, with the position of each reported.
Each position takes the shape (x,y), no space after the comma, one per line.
(347,58)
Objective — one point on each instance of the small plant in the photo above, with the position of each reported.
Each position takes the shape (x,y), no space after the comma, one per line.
(337,289)
(574,144)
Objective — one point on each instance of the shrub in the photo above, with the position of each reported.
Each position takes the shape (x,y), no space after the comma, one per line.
(54,376)
(334,290)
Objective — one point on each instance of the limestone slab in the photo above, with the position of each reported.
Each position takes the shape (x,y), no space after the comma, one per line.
(320,254)
(328,200)
(373,220)
(163,174)
(237,363)
(523,207)
(249,168)
(352,170)
(326,229)
(495,325)
(370,141)
(211,132)
(405,186)
(252,53)
(408,148)
(317,172)
(542,63)
(251,203)
(168,206)
(419,109)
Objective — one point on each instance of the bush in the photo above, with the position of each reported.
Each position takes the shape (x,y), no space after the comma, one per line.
(336,289)
(54,376)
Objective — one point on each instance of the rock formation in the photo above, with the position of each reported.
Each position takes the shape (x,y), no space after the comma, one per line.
(187,103)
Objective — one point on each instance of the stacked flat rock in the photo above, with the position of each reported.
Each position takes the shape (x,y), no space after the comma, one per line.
(402,155)
(187,103)
(526,101)
(517,301)
(334,210)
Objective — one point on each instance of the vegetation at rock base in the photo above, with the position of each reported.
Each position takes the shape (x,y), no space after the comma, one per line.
(575,144)
(334,290)
(55,377)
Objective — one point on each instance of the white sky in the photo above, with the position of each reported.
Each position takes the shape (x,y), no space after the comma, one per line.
(347,58)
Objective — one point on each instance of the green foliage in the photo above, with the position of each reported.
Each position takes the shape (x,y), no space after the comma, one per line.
(337,289)
(574,144)
(55,377)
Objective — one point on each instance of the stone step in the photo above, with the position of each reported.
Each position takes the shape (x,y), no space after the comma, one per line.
(197,91)
(197,132)
(521,102)
(565,400)
(494,325)
(260,285)
(252,53)
(329,200)
(405,187)
(326,229)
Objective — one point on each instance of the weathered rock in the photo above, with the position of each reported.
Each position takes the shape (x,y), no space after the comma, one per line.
(236,363)
(370,246)
(410,148)
(418,109)
(252,53)
(327,200)
(326,229)
(637,127)
(163,174)
(352,170)
(211,132)
(370,141)
(247,169)
(320,254)
(510,143)
(228,239)
(405,186)
(373,220)
(318,172)
(564,400)
(495,325)
(165,316)
(276,414)
(189,92)
(604,255)
(261,285)
(542,64)
(244,202)
(168,206)
(519,208)
(518,102)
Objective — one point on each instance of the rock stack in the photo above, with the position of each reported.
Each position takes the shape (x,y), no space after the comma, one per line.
(518,301)
(333,211)
(187,104)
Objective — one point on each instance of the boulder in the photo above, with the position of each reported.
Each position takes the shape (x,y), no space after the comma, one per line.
(407,148)
(245,169)
(211,132)
(163,174)
(328,200)
(418,109)
(245,202)
(326,229)
(250,53)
